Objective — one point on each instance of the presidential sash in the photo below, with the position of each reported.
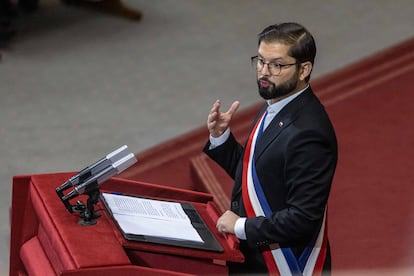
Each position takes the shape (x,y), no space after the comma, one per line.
(279,261)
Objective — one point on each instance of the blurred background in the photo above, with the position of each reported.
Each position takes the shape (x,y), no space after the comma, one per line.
(76,83)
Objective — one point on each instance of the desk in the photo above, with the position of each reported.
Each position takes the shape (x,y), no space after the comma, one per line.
(47,240)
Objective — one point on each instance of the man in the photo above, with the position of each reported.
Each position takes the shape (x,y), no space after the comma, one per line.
(283,175)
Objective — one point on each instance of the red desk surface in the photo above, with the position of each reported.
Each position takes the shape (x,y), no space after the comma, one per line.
(42,225)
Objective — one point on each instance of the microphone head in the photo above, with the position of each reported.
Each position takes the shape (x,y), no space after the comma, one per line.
(125,163)
(89,179)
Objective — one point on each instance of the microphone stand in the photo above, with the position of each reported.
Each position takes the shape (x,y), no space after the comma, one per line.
(87,182)
(87,212)
(88,215)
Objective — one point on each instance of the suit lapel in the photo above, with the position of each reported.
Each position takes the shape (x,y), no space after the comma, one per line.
(286,117)
(282,121)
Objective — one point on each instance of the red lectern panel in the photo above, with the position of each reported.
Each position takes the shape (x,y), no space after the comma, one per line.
(46,239)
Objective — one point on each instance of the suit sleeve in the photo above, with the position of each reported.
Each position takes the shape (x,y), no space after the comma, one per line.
(226,155)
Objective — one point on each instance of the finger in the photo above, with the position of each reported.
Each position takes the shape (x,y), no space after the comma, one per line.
(219,227)
(233,108)
(215,107)
(211,125)
(211,116)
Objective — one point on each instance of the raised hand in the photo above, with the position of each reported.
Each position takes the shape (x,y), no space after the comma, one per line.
(218,122)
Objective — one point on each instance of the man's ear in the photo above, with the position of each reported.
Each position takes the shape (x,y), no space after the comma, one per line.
(305,70)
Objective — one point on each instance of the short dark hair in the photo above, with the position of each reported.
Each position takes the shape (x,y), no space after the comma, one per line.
(301,42)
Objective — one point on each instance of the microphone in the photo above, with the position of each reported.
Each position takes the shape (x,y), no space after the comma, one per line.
(95,181)
(94,168)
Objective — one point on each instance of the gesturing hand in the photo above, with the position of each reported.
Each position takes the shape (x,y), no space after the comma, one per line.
(218,122)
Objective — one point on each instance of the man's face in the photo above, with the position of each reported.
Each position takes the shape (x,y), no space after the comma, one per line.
(276,87)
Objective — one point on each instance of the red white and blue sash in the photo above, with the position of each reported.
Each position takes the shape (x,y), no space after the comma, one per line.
(279,261)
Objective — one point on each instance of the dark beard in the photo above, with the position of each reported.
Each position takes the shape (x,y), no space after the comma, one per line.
(277,91)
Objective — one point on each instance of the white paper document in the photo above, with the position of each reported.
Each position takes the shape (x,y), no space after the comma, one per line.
(148,217)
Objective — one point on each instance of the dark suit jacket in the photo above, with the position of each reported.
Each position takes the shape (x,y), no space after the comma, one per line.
(295,162)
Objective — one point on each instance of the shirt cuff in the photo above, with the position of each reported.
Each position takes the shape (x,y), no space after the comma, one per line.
(239,229)
(217,141)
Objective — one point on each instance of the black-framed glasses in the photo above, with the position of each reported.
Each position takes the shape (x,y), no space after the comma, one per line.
(274,67)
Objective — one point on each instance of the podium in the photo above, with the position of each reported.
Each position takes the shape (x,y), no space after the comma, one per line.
(47,240)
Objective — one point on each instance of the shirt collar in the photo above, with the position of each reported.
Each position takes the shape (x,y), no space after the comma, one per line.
(277,106)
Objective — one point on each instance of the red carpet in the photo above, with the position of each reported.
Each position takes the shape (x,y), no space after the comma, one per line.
(371,223)
(371,106)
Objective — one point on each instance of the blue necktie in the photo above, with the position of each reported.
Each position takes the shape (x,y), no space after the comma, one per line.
(261,128)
